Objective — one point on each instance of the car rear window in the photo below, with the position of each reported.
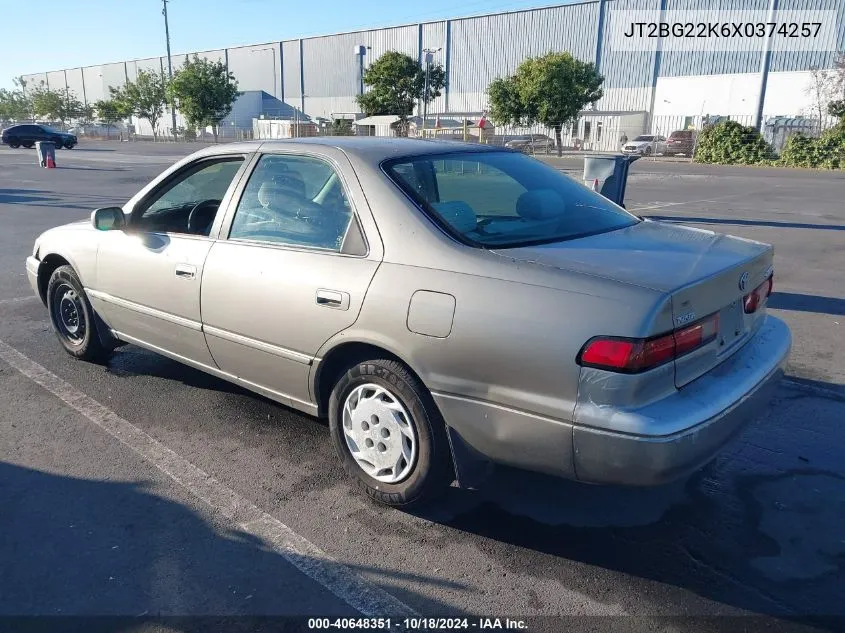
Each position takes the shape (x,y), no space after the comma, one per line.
(504,199)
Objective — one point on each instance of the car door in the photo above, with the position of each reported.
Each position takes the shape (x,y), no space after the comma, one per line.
(290,272)
(148,276)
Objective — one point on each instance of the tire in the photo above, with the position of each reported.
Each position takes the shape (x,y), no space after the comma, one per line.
(428,472)
(29,145)
(14,143)
(72,316)
(647,151)
(58,143)
(69,145)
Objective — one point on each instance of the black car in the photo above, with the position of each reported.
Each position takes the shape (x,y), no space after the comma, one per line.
(28,133)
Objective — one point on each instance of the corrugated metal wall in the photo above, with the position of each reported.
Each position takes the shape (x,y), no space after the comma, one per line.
(487,47)
(474,51)
(258,67)
(802,60)
(291,67)
(692,57)
(628,74)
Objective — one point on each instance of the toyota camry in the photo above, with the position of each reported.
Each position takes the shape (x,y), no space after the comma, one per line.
(444,306)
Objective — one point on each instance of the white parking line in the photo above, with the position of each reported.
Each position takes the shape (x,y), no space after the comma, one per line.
(18,299)
(364,596)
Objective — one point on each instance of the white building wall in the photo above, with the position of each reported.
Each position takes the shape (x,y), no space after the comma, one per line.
(733,95)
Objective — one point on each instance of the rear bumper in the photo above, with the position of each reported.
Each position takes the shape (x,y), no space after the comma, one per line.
(710,411)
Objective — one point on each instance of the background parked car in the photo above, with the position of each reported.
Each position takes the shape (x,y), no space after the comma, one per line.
(680,142)
(28,134)
(646,145)
(531,142)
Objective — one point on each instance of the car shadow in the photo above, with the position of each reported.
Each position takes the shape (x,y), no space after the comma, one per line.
(93,149)
(758,529)
(739,222)
(88,548)
(807,303)
(92,168)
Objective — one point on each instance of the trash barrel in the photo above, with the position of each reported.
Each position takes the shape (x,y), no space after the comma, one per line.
(45,150)
(611,172)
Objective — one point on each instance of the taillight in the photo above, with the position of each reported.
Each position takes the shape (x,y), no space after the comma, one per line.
(752,301)
(636,355)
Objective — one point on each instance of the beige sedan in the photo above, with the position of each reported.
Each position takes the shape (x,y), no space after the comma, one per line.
(445,306)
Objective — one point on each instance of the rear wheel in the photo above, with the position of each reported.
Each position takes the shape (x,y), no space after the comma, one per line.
(14,143)
(388,433)
(647,151)
(72,316)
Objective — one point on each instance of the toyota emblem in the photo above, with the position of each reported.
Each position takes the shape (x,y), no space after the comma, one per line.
(743,282)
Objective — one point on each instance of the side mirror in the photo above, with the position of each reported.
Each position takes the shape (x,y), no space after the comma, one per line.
(108,219)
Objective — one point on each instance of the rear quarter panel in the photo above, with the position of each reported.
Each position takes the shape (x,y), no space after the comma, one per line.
(511,343)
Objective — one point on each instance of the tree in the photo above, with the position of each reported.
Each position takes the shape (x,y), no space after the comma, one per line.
(341,127)
(14,105)
(821,90)
(111,111)
(56,105)
(204,92)
(550,90)
(145,97)
(397,84)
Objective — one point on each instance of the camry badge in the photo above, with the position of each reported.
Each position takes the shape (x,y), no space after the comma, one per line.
(743,282)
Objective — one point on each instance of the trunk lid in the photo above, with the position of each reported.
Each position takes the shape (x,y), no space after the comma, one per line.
(703,272)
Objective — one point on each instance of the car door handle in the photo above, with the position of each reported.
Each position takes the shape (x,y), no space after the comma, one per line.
(333,299)
(186,271)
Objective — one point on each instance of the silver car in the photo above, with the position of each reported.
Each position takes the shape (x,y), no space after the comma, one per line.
(646,145)
(445,306)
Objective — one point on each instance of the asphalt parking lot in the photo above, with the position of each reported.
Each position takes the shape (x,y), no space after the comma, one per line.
(149,488)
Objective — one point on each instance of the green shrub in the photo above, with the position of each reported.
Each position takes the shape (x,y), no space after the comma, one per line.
(826,152)
(730,143)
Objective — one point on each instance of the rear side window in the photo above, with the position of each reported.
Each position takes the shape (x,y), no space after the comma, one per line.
(296,201)
(504,199)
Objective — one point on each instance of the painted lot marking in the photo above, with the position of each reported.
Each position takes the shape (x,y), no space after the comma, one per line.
(17,300)
(359,593)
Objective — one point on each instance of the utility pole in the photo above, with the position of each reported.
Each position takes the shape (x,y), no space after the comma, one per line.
(169,65)
(429,57)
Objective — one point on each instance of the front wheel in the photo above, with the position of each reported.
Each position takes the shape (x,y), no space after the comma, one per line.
(68,145)
(72,316)
(388,433)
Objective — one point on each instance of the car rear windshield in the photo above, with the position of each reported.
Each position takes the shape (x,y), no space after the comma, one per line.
(504,199)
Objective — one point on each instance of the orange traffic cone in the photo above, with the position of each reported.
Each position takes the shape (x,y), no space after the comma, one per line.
(596,184)
(51,164)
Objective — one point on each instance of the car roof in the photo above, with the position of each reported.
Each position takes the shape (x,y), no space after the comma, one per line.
(367,148)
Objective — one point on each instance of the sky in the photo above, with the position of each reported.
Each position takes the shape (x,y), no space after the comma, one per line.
(87,32)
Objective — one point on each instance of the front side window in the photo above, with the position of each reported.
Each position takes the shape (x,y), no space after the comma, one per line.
(189,203)
(504,199)
(293,200)
(644,137)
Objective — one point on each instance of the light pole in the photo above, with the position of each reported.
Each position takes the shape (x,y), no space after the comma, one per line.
(275,79)
(169,65)
(429,57)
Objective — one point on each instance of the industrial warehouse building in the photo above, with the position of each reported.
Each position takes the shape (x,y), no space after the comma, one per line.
(659,90)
